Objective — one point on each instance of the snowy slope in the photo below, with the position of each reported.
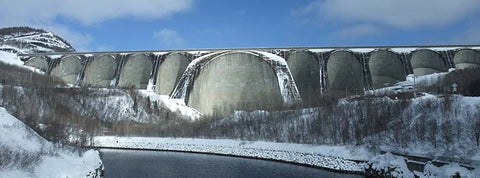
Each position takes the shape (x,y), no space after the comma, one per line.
(24,153)
(24,40)
(174,105)
(13,59)
(10,58)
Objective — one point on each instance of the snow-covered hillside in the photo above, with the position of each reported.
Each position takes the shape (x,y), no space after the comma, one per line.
(24,40)
(12,59)
(24,153)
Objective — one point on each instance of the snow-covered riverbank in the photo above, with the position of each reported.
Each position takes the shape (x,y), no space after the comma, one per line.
(352,159)
(339,158)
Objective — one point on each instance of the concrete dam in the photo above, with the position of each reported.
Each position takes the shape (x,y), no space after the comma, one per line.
(219,81)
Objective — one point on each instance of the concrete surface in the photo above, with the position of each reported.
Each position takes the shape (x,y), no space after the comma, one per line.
(136,72)
(344,73)
(38,62)
(425,61)
(100,71)
(467,58)
(305,70)
(386,68)
(169,72)
(68,69)
(235,81)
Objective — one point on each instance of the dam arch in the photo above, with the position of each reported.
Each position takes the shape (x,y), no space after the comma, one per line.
(38,62)
(237,80)
(386,68)
(100,71)
(68,69)
(136,71)
(305,69)
(169,72)
(426,61)
(344,73)
(467,58)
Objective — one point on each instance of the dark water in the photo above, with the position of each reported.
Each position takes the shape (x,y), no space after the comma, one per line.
(130,163)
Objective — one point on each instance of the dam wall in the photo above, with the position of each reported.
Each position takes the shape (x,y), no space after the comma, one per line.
(219,81)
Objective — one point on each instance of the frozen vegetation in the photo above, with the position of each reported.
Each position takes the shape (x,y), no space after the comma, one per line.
(24,153)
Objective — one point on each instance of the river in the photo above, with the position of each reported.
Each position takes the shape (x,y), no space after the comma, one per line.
(134,163)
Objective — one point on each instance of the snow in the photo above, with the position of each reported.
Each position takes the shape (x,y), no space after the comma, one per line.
(198,52)
(331,157)
(55,56)
(470,101)
(20,137)
(54,161)
(448,170)
(286,83)
(321,50)
(10,58)
(150,85)
(159,53)
(403,50)
(362,50)
(175,105)
(410,83)
(13,59)
(394,49)
(409,50)
(10,173)
(33,42)
(69,165)
(388,161)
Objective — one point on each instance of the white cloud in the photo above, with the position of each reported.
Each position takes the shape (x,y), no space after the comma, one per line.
(45,13)
(405,14)
(169,38)
(88,11)
(357,31)
(80,41)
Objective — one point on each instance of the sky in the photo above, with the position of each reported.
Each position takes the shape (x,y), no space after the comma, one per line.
(105,25)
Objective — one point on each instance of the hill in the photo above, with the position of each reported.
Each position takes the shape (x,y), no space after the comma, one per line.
(24,40)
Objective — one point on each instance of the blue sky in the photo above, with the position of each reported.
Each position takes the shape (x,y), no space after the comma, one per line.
(99,25)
